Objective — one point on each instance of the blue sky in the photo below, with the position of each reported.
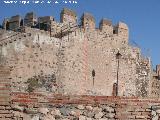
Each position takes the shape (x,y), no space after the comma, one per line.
(142,17)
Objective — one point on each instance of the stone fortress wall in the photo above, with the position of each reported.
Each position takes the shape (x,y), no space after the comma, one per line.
(73,59)
(155,84)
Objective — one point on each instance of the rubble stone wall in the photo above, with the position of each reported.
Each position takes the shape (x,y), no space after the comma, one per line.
(39,107)
(155,91)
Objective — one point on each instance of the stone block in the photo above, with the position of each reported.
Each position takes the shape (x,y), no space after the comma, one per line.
(82,117)
(99,115)
(81,107)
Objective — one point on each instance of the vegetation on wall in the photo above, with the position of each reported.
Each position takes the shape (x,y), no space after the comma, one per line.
(41,81)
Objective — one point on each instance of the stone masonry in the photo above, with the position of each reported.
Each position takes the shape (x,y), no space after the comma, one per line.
(63,70)
(38,107)
(66,58)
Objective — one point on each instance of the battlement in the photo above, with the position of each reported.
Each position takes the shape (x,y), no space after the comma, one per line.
(68,16)
(30,19)
(44,23)
(68,12)
(45,19)
(13,23)
(105,22)
(106,25)
(122,25)
(15,18)
(121,29)
(68,21)
(87,21)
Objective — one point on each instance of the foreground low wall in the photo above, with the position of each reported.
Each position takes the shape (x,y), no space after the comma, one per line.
(36,106)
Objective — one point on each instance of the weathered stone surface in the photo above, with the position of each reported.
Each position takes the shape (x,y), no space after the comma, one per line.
(55,112)
(110,115)
(108,109)
(76,113)
(155,117)
(98,115)
(158,111)
(89,114)
(88,118)
(97,109)
(81,107)
(65,111)
(17,113)
(103,119)
(49,117)
(82,117)
(154,113)
(43,110)
(30,111)
(35,118)
(65,119)
(90,108)
(17,108)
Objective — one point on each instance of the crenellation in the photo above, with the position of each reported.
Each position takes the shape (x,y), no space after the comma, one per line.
(5,24)
(30,19)
(45,19)
(106,26)
(69,25)
(68,16)
(88,21)
(121,29)
(15,18)
(14,22)
(45,23)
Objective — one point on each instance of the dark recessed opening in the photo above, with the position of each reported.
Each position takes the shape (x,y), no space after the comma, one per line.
(114,31)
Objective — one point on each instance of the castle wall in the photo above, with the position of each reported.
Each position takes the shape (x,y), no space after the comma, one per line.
(75,60)
(72,61)
(155,83)
(93,50)
(155,88)
(29,55)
